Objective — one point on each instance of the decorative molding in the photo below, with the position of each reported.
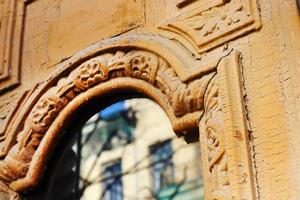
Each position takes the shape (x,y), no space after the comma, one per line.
(155,67)
(209,28)
(183,98)
(217,165)
(11,25)
(227,171)
(185,68)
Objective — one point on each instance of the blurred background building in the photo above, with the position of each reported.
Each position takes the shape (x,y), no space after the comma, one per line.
(128,151)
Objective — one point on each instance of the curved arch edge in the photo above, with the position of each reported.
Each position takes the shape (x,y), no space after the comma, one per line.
(123,64)
(53,134)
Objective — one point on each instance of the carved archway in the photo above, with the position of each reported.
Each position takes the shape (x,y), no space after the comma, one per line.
(190,91)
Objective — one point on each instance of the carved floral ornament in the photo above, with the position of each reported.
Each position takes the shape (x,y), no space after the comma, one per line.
(209,27)
(187,94)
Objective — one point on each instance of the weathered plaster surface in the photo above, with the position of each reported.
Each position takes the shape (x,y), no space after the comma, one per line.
(54,31)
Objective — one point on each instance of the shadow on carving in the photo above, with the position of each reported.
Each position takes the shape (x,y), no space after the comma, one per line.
(111,71)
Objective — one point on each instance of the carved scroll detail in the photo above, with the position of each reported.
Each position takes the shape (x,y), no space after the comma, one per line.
(184,98)
(217,167)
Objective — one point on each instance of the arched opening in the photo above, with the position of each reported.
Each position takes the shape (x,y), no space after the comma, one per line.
(121,148)
(99,72)
(193,94)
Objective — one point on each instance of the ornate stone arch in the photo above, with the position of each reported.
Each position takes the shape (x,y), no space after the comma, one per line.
(192,92)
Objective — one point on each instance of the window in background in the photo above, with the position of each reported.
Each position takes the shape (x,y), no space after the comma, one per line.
(162,165)
(112,184)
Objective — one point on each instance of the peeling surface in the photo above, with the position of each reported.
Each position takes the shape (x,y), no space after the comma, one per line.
(55,29)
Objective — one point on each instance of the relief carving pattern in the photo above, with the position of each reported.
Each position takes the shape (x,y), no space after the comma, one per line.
(204,28)
(143,65)
(217,166)
(217,19)
(224,136)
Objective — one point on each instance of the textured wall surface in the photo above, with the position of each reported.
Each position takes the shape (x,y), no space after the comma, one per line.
(231,67)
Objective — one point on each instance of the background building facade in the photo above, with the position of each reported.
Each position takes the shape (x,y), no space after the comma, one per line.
(145,162)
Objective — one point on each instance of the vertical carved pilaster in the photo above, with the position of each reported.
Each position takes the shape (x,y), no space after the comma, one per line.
(212,133)
(224,136)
